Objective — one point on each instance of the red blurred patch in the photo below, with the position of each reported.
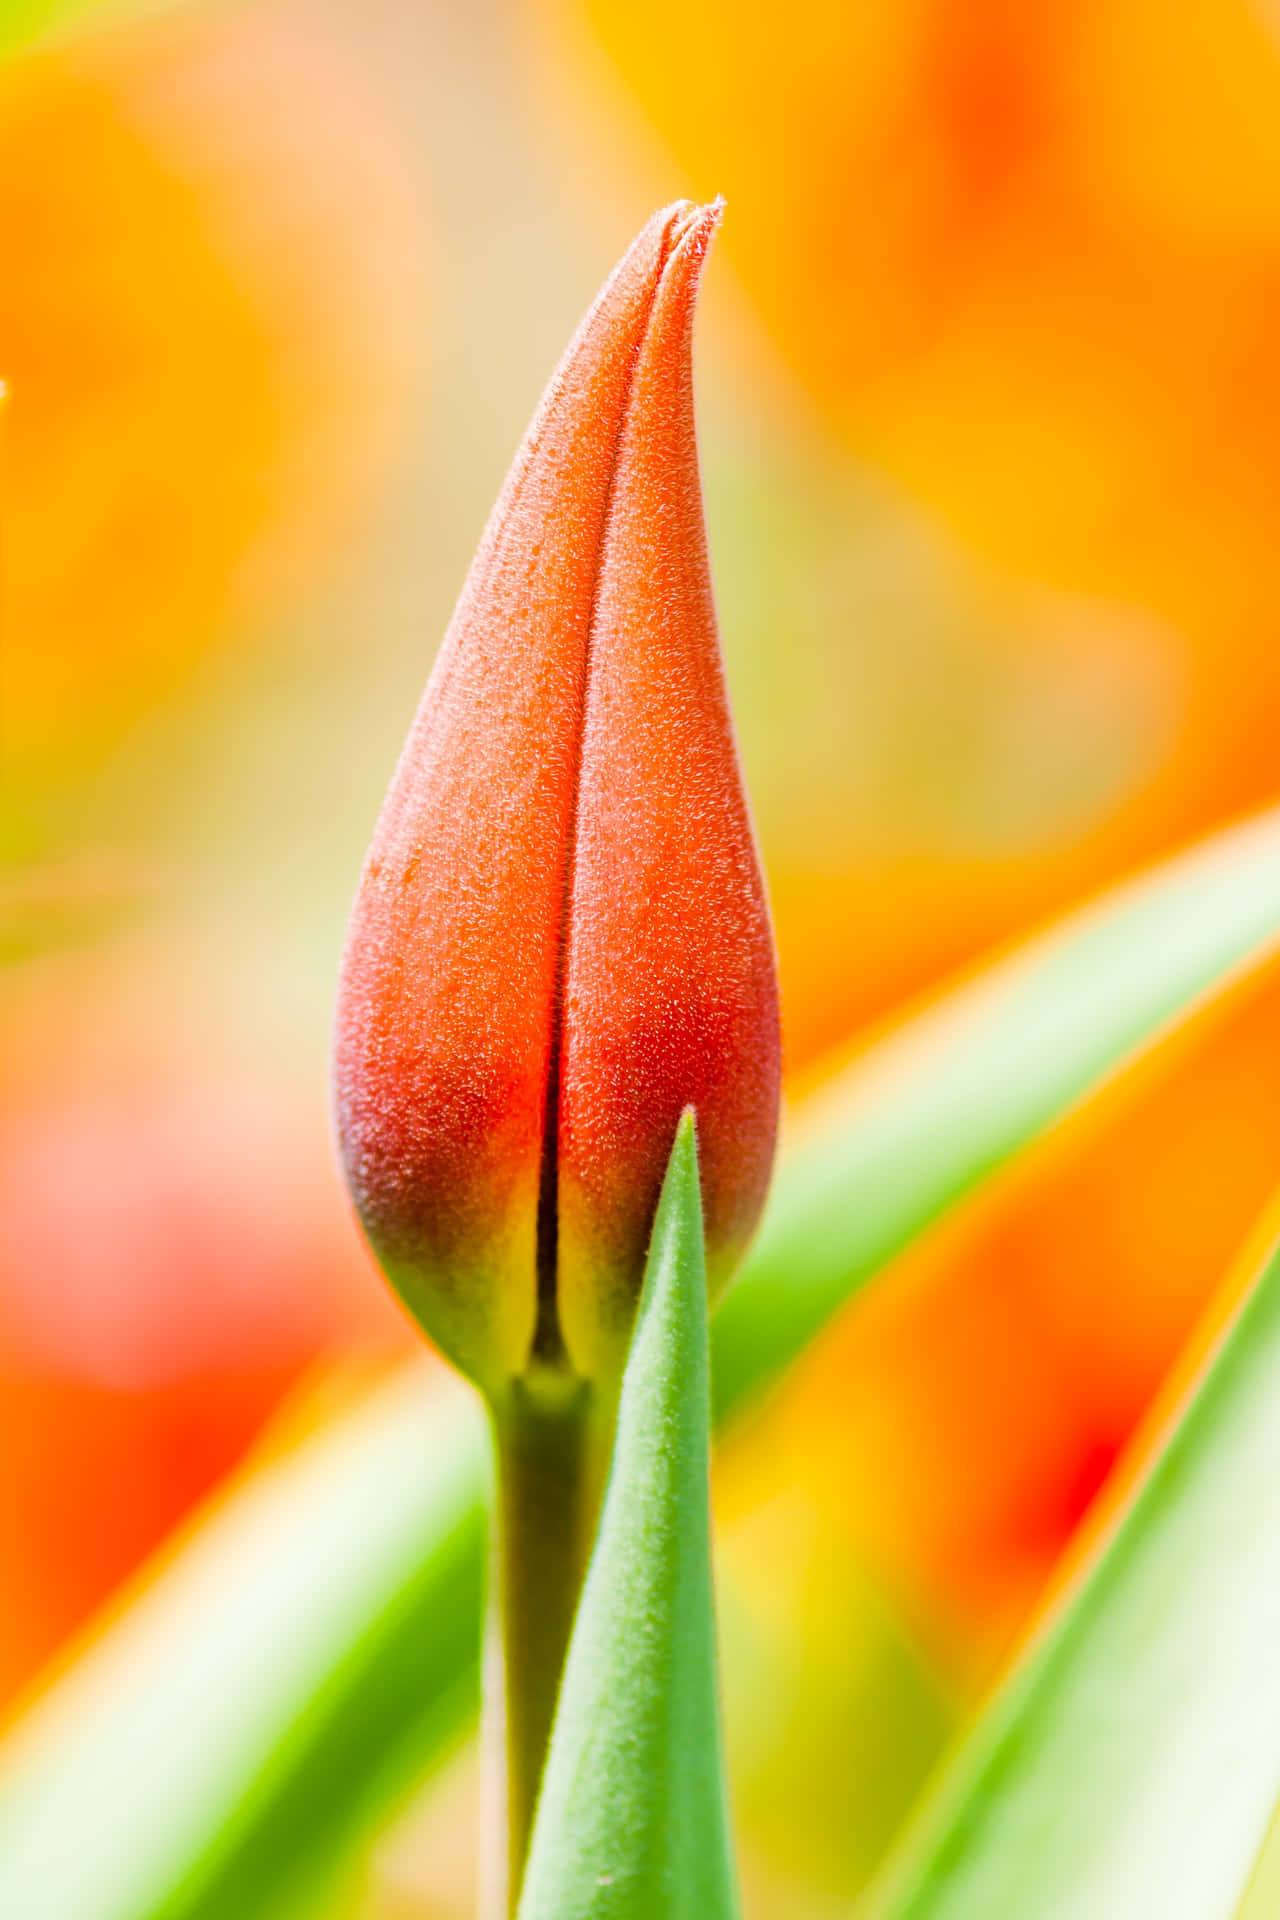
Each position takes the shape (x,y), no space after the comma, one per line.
(175,1252)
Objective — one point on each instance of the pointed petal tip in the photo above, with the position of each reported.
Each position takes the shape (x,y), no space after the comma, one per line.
(688,235)
(688,222)
(696,224)
(672,243)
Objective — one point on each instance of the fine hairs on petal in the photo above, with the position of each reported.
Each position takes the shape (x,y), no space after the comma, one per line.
(561,938)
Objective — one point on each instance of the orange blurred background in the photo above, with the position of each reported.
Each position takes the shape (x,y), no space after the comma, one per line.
(990,417)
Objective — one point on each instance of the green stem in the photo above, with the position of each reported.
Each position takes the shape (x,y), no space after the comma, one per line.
(550,1442)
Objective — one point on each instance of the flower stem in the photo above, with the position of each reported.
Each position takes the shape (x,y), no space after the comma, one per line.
(550,1442)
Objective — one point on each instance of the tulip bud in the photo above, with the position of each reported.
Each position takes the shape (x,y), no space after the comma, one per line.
(560,938)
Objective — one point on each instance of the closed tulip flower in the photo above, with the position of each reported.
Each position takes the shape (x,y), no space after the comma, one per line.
(560,939)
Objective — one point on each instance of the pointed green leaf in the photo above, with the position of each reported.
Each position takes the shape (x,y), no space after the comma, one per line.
(897,1138)
(1131,1764)
(632,1819)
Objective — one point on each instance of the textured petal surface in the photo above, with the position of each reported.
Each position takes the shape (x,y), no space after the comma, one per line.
(671,998)
(457,1065)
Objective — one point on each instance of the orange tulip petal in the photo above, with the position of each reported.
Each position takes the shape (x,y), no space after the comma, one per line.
(560,938)
(670,995)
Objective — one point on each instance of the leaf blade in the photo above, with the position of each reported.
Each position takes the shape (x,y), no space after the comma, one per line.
(284,1654)
(632,1818)
(1131,1762)
(951,1097)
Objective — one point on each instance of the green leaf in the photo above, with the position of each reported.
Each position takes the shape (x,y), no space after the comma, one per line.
(1262,1901)
(1131,1764)
(949,1098)
(905,1132)
(288,1677)
(632,1819)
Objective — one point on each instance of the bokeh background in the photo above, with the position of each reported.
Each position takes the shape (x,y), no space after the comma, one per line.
(989,395)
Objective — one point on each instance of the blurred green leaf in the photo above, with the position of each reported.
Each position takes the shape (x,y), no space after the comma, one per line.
(1131,1763)
(183,1752)
(632,1819)
(1262,1901)
(241,1726)
(950,1097)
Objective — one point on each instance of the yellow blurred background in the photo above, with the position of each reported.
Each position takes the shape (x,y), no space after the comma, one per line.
(990,413)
